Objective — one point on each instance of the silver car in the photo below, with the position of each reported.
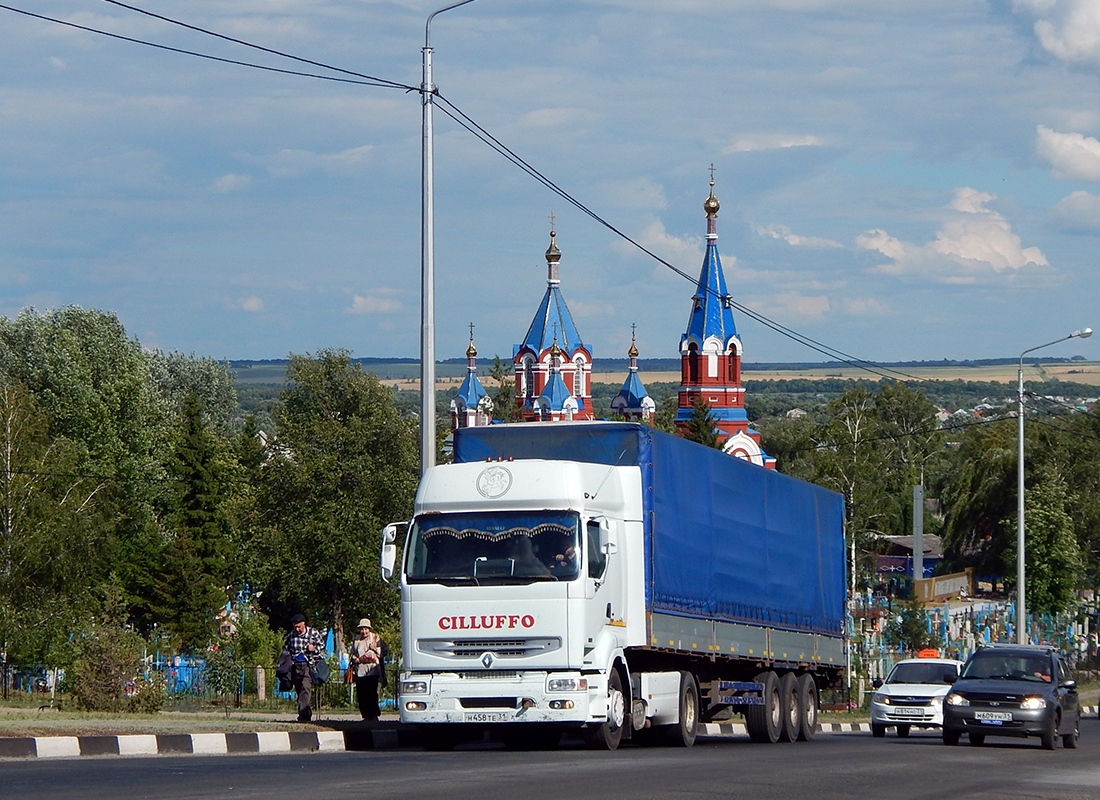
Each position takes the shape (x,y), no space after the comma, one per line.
(912,696)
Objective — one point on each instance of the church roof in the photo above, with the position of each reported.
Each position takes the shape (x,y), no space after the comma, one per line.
(471,391)
(552,322)
(633,392)
(556,392)
(711,309)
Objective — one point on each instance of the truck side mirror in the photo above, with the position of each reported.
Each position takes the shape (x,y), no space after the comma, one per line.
(389,549)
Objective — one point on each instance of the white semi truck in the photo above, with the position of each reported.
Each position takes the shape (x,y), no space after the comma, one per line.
(617,582)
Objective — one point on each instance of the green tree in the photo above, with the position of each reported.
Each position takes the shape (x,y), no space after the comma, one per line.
(701,424)
(51,529)
(344,465)
(908,626)
(978,494)
(851,460)
(504,393)
(92,384)
(1052,557)
(197,566)
(175,376)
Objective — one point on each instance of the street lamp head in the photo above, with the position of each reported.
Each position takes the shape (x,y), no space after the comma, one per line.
(1082,334)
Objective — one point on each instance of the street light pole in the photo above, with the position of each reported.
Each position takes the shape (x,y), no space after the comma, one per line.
(427,256)
(1021,603)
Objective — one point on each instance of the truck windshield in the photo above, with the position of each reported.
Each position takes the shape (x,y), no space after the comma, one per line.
(502,547)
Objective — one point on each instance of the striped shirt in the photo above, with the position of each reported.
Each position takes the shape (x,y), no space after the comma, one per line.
(296,643)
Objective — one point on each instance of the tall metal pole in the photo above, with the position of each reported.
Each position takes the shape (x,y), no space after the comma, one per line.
(1021,601)
(427,256)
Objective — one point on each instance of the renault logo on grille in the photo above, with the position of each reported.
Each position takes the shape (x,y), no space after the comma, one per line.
(487,660)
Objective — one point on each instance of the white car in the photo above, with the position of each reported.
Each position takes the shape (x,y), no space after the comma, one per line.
(912,695)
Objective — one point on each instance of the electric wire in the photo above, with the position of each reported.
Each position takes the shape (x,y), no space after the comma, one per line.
(381,82)
(479,132)
(462,119)
(367,80)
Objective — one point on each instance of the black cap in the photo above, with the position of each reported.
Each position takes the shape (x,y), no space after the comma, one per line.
(297,618)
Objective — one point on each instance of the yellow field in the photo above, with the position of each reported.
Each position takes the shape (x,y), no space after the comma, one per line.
(1087,372)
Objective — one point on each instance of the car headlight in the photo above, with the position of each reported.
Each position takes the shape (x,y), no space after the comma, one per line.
(413,687)
(1033,703)
(954,699)
(567,685)
(881,699)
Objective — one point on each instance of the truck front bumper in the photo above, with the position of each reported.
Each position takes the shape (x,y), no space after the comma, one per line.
(484,698)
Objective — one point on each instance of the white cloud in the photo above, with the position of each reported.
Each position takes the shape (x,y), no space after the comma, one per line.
(295,163)
(771,141)
(685,252)
(231,182)
(974,243)
(252,304)
(373,304)
(865,306)
(1067,29)
(792,305)
(1079,210)
(784,234)
(1070,155)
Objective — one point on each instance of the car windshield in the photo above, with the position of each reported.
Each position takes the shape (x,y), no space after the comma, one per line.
(1009,666)
(501,547)
(916,672)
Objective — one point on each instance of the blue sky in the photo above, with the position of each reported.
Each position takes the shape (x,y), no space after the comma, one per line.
(898,180)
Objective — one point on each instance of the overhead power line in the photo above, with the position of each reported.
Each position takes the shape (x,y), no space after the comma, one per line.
(366,79)
(466,122)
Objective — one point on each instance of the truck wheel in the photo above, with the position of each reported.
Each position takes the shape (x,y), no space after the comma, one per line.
(807,707)
(683,733)
(438,737)
(608,734)
(765,721)
(877,730)
(788,703)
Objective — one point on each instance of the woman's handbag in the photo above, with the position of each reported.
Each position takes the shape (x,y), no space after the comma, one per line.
(349,674)
(319,672)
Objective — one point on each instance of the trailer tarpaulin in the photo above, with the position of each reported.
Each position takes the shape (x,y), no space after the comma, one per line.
(726,539)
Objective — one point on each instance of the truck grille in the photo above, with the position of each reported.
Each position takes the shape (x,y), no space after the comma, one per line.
(500,648)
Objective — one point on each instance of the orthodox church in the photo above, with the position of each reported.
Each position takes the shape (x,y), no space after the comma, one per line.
(553,365)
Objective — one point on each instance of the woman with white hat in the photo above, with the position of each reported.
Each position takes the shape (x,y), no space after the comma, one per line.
(367,653)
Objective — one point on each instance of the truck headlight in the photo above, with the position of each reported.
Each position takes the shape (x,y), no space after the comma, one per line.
(567,685)
(413,687)
(954,699)
(1033,703)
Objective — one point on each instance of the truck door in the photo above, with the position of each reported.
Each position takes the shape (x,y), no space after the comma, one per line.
(602,579)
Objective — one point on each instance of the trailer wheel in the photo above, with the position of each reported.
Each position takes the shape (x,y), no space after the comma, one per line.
(807,707)
(608,734)
(683,733)
(788,702)
(765,721)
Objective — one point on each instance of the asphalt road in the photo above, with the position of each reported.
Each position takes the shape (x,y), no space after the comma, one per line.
(833,766)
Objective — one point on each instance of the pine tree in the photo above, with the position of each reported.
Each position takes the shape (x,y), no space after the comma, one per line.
(701,424)
(191,585)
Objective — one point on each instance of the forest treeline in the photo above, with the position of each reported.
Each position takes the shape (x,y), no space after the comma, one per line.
(152,490)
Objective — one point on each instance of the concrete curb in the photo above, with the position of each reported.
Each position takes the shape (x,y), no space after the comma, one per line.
(325,741)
